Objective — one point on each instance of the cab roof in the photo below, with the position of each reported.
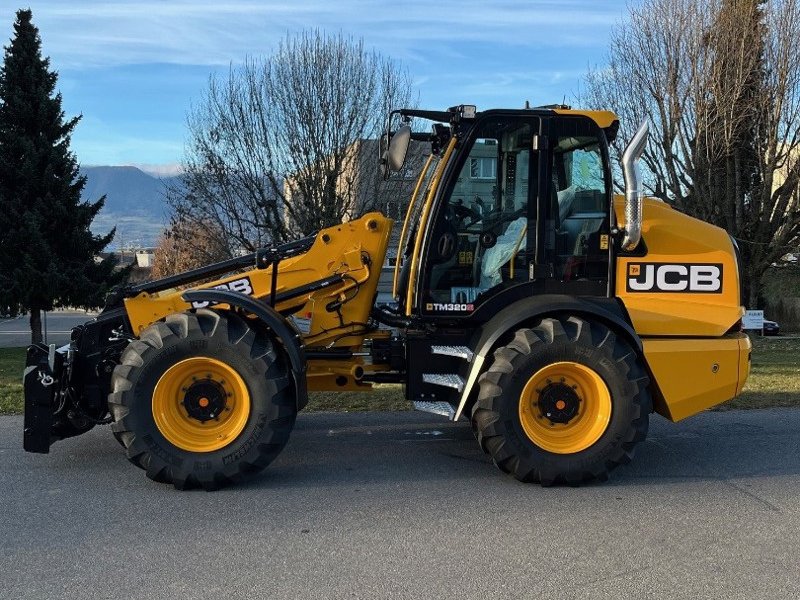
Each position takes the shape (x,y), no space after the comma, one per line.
(603,118)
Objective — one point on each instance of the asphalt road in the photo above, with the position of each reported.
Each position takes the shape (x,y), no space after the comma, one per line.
(405,505)
(17,332)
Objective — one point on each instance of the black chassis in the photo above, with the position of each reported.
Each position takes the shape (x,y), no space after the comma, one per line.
(66,388)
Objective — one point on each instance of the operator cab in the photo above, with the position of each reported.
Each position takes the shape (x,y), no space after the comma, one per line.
(516,202)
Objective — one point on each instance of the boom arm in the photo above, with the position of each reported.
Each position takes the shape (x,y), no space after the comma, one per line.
(331,281)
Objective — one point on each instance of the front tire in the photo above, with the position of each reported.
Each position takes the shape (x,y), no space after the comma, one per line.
(202,399)
(563,402)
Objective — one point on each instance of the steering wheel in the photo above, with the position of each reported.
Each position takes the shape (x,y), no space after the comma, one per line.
(463,213)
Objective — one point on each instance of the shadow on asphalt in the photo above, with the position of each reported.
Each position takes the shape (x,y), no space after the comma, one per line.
(712,447)
(331,450)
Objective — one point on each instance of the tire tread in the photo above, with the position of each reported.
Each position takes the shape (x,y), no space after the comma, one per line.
(493,432)
(228,329)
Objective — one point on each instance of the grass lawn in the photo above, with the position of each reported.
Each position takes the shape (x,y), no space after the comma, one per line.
(774,381)
(12,361)
(774,376)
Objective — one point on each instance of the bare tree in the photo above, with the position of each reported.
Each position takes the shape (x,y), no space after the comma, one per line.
(226,185)
(186,245)
(719,81)
(278,147)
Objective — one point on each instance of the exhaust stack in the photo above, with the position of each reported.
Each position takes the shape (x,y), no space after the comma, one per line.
(633,188)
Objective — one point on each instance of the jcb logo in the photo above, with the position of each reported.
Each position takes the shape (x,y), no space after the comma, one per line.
(243,286)
(668,277)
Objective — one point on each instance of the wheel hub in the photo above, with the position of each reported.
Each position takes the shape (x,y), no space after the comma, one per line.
(205,399)
(559,403)
(201,404)
(565,407)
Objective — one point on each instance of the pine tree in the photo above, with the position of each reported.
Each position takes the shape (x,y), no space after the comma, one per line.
(47,252)
(727,154)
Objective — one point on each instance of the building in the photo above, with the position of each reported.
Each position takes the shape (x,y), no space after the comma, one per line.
(363,189)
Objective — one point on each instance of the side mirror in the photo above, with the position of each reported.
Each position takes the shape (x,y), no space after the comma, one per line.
(395,155)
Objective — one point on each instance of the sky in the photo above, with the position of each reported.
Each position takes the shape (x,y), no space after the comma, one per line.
(133,69)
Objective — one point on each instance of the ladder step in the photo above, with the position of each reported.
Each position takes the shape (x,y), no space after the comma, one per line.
(438,408)
(457,351)
(450,380)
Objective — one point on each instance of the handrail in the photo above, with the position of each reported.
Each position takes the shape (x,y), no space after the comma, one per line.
(516,251)
(423,221)
(411,204)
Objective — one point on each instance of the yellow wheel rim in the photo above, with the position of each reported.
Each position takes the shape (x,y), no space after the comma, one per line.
(565,407)
(201,404)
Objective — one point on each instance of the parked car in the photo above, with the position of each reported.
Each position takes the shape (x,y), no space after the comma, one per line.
(771,328)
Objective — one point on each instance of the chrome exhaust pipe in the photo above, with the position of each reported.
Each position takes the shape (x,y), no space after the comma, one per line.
(633,188)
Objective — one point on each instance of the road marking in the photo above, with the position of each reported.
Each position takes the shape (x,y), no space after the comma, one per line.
(28,331)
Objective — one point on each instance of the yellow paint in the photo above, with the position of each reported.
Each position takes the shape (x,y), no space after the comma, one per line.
(406,222)
(188,433)
(423,220)
(673,237)
(691,375)
(342,375)
(585,428)
(344,253)
(745,349)
(603,118)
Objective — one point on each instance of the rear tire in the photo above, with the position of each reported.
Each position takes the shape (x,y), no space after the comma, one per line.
(201,399)
(563,402)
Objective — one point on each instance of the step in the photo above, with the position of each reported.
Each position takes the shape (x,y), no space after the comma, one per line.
(437,408)
(457,351)
(451,380)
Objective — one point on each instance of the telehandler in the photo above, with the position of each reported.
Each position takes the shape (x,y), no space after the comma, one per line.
(529,299)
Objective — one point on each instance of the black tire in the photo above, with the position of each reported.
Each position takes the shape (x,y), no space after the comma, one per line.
(496,413)
(223,337)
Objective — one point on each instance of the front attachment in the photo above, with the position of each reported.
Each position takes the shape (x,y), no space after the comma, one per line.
(41,378)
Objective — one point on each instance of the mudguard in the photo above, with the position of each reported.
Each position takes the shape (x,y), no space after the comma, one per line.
(524,311)
(279,325)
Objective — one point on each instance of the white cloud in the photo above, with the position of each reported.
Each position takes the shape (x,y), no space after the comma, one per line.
(493,53)
(86,33)
(97,148)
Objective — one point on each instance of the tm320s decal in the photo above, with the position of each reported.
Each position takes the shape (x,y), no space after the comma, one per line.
(449,307)
(675,277)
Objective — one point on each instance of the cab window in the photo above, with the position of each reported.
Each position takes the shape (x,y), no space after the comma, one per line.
(479,240)
(579,248)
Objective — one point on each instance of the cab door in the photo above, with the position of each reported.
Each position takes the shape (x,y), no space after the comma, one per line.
(523,210)
(575,249)
(482,235)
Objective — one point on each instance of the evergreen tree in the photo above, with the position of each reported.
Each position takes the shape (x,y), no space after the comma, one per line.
(47,252)
(728,147)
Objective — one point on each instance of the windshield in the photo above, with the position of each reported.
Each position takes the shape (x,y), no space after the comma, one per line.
(407,245)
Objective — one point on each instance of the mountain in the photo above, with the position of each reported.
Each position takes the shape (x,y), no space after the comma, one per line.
(135,203)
